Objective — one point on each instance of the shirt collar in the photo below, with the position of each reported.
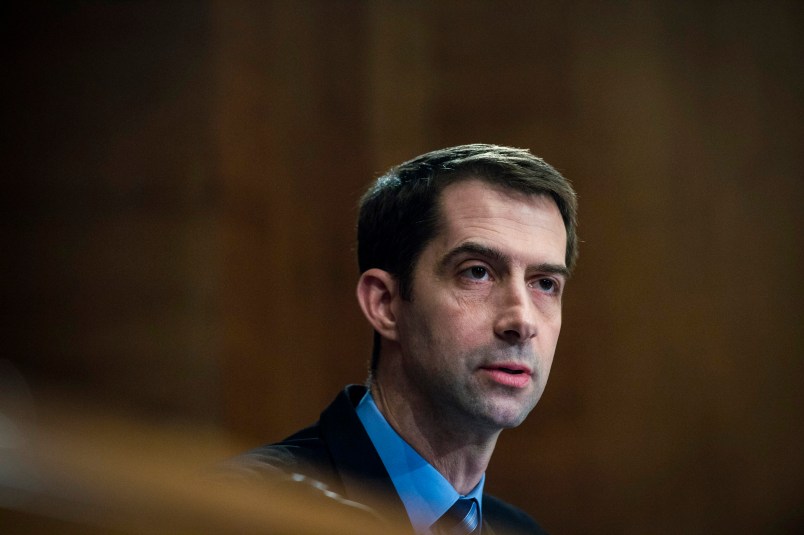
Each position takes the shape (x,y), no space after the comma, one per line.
(425,493)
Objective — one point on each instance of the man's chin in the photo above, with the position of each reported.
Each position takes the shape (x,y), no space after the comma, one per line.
(509,415)
(510,423)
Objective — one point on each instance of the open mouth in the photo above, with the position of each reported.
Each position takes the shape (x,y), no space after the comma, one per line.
(508,367)
(510,375)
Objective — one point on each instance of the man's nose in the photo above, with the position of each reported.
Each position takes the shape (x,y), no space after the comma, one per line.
(516,315)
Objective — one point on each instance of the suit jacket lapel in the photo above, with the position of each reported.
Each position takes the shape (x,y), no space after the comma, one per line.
(364,477)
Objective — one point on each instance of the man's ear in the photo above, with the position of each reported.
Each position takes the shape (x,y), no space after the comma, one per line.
(376,291)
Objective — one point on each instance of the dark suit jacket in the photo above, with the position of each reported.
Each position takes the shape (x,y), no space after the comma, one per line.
(338,452)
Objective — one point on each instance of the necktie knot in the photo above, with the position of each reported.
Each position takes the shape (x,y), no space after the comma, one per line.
(463,518)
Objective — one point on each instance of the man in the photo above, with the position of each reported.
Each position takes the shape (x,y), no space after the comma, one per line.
(464,254)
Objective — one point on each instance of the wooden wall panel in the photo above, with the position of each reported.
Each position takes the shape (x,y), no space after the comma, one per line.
(107,207)
(290,122)
(690,374)
(401,86)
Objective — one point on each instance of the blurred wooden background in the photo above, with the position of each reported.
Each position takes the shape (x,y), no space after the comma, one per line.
(181,182)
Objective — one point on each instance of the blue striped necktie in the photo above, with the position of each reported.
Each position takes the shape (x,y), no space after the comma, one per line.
(463,518)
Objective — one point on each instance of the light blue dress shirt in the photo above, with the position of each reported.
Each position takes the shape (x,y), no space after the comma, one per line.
(425,493)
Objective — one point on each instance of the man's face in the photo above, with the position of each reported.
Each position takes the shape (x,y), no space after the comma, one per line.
(478,336)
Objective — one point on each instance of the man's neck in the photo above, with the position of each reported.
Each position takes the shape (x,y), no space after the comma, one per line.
(460,453)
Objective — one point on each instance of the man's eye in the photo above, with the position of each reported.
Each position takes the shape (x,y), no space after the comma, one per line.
(547,285)
(477,273)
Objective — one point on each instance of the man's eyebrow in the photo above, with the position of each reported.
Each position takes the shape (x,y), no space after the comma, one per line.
(473,248)
(554,269)
(498,256)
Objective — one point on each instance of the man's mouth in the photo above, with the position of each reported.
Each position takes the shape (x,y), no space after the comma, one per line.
(514,369)
(507,374)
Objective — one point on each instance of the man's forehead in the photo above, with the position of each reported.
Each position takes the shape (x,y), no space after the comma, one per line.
(473,197)
(499,218)
(471,187)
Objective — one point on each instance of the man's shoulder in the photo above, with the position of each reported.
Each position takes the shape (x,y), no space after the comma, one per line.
(303,453)
(315,451)
(506,519)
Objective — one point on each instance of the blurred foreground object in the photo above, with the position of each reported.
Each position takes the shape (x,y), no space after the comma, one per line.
(81,471)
